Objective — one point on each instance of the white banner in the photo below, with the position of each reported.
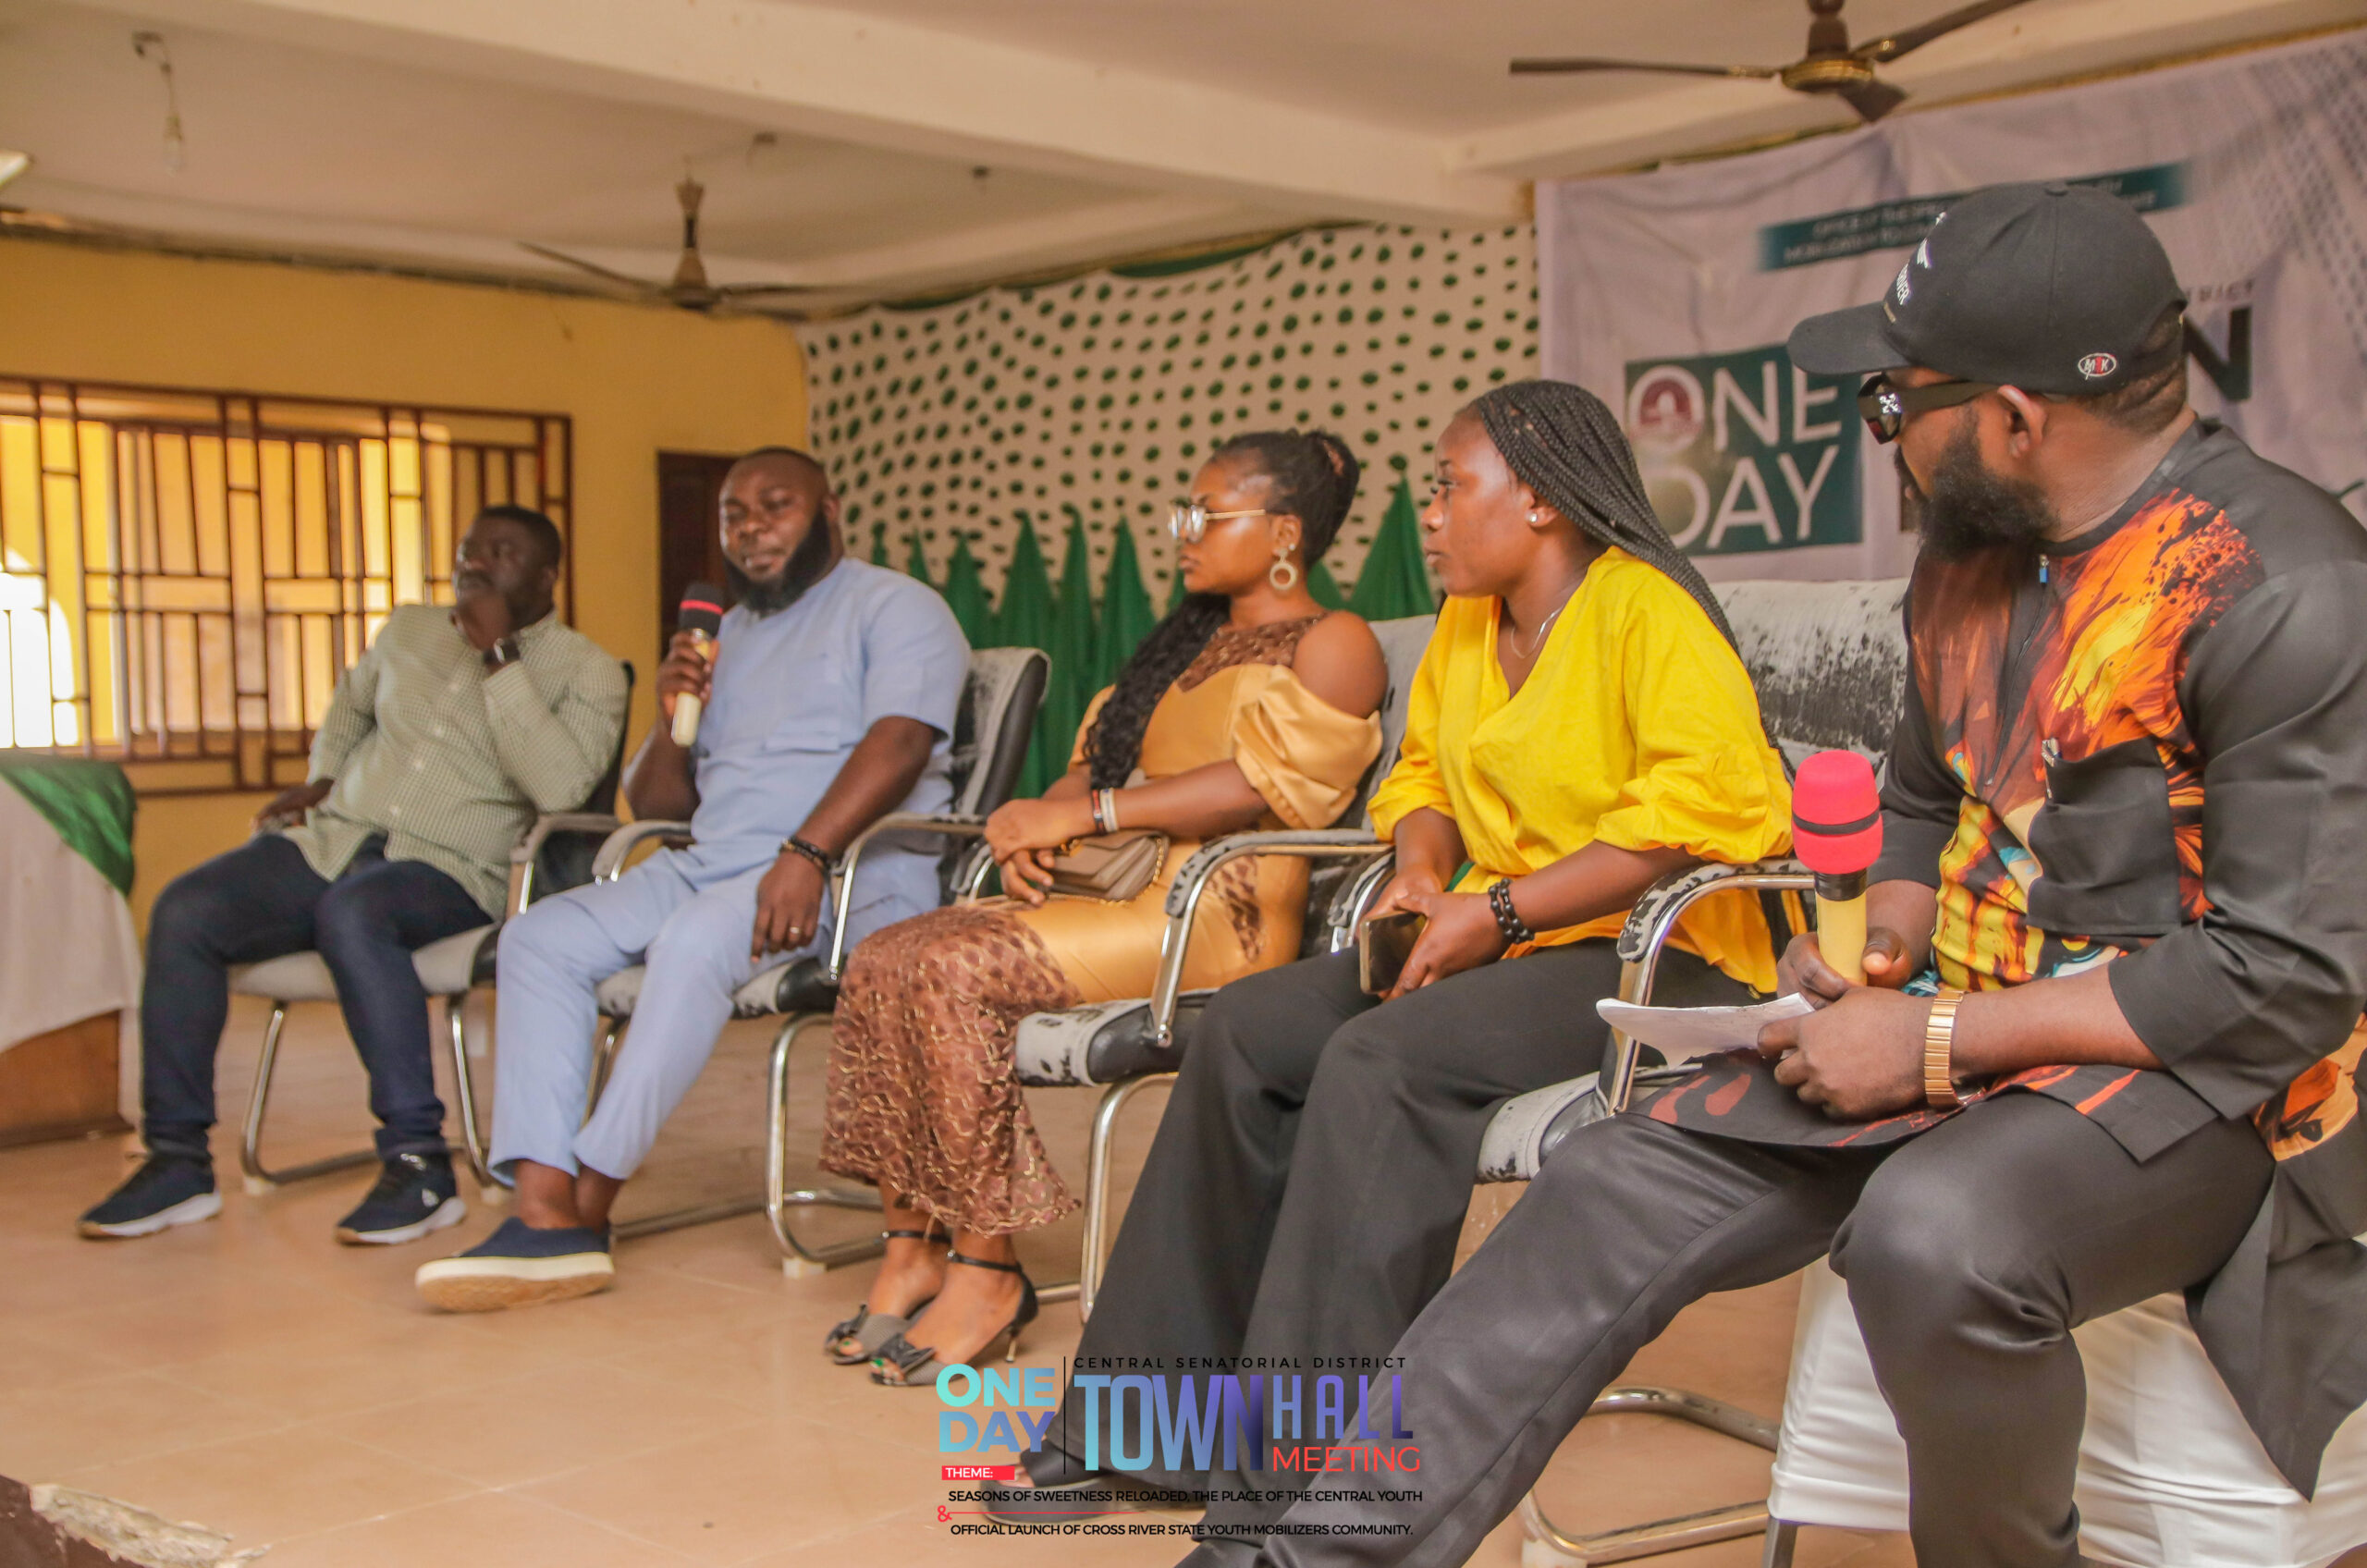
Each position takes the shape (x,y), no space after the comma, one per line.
(1671,294)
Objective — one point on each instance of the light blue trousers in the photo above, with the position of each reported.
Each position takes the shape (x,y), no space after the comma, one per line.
(690,923)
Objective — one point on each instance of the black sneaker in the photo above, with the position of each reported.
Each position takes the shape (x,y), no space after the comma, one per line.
(519,1266)
(167,1190)
(415,1195)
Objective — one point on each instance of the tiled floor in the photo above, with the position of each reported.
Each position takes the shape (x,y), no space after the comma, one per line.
(253,1376)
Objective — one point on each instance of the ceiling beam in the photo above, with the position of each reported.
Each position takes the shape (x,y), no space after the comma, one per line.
(2018,48)
(805,68)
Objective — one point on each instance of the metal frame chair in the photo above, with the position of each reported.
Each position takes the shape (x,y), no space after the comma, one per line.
(1828,661)
(1123,1047)
(1000,701)
(555,854)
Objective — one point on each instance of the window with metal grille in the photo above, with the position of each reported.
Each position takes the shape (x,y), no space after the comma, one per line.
(185,574)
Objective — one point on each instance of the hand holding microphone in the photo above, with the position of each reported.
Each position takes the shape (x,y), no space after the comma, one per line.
(1837,833)
(700,619)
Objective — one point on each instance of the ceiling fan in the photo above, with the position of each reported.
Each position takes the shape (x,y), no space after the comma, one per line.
(1830,66)
(689,287)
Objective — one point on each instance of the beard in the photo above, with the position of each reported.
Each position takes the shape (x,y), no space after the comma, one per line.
(807,565)
(1968,510)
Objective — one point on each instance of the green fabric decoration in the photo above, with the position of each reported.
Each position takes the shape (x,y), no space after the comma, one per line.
(1070,645)
(916,563)
(879,544)
(1126,614)
(1396,583)
(965,592)
(90,804)
(1325,588)
(1024,618)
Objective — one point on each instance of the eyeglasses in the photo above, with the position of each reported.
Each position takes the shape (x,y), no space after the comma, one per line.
(1884,405)
(1189,521)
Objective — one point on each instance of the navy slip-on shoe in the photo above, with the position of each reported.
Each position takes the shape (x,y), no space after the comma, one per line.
(519,1266)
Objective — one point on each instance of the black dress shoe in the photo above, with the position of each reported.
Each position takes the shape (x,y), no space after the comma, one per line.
(1055,1486)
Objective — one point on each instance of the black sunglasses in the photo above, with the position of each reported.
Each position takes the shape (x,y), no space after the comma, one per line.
(1884,405)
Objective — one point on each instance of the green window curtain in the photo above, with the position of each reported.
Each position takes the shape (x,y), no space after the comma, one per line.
(966,593)
(1394,582)
(1126,614)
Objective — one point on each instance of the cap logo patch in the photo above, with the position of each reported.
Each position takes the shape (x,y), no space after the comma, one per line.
(1902,288)
(2095,367)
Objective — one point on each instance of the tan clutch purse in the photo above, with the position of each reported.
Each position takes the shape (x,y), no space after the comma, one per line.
(1112,867)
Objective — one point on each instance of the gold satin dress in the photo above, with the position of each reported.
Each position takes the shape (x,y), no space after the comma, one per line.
(923,1099)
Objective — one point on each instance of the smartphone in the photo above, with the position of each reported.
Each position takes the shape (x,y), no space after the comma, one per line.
(1383,944)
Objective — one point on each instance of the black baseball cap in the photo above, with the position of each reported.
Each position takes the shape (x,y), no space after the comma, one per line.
(2048,288)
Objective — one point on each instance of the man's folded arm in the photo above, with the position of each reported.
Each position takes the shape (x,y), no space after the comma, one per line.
(2274,976)
(557,753)
(354,713)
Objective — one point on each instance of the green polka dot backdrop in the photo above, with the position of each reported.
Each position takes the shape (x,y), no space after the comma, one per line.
(1096,398)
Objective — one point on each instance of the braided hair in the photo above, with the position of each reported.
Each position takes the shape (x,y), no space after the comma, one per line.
(1310,476)
(1565,444)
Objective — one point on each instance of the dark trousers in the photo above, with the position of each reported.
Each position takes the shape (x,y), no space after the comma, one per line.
(1971,1251)
(262,900)
(1312,1171)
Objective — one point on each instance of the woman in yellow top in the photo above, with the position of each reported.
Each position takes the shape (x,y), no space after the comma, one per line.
(1247,706)
(1580,728)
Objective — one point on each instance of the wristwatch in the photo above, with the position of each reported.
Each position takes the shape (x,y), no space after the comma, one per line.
(502,654)
(1939,1053)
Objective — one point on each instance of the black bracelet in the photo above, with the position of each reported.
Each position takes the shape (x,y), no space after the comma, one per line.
(824,861)
(502,654)
(1509,924)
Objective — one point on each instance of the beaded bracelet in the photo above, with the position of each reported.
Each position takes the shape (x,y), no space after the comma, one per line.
(823,862)
(1509,924)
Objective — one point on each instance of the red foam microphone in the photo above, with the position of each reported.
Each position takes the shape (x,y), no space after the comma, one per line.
(702,616)
(1837,833)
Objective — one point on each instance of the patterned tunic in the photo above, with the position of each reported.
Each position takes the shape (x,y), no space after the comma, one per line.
(2147,749)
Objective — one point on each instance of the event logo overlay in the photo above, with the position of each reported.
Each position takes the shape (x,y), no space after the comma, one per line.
(1242,1422)
(1743,453)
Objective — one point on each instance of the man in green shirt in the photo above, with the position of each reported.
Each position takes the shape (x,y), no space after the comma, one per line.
(441,746)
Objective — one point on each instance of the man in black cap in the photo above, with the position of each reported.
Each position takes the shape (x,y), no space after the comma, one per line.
(2118,956)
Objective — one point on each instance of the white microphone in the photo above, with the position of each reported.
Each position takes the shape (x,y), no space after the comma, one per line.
(702,616)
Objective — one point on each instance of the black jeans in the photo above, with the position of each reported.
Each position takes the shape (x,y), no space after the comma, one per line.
(1312,1171)
(262,900)
(1971,1253)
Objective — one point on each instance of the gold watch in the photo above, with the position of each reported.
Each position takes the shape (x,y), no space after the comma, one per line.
(1938,1051)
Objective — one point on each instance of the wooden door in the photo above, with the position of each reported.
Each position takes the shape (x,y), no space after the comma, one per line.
(690,491)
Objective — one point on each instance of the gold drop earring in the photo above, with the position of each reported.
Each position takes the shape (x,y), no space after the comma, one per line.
(1284,573)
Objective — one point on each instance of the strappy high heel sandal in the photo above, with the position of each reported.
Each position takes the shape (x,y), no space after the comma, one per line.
(870,1330)
(901,1364)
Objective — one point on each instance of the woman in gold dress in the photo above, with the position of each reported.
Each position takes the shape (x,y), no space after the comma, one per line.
(1248,706)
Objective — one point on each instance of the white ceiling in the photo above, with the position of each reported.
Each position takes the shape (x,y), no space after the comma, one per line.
(443,132)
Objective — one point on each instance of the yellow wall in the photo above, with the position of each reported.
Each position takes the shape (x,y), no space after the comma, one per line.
(634,379)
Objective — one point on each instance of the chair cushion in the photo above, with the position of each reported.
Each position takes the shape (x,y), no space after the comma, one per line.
(790,985)
(1527,1127)
(292,977)
(444,969)
(615,996)
(2169,1471)
(1102,1042)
